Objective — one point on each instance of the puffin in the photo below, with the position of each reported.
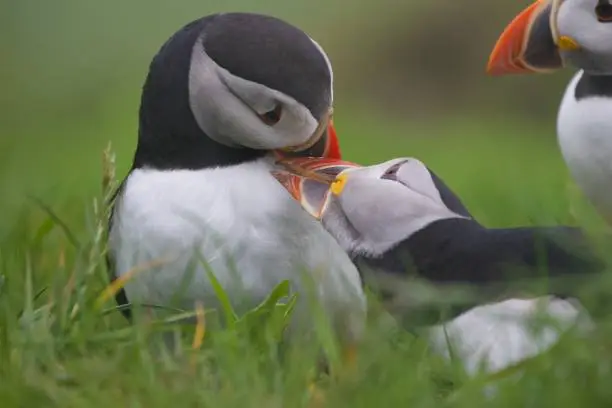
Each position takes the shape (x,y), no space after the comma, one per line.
(416,244)
(224,97)
(546,36)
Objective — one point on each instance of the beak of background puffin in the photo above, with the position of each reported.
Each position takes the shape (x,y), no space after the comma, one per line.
(322,143)
(312,180)
(530,43)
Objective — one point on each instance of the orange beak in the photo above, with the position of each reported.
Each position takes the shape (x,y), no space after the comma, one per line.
(530,43)
(308,180)
(332,144)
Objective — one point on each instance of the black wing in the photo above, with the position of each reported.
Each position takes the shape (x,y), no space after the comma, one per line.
(120,297)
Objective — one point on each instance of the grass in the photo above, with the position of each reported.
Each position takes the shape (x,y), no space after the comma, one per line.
(63,345)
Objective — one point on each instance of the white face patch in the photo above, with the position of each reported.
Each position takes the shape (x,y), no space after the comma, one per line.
(414,175)
(578,20)
(384,212)
(226,108)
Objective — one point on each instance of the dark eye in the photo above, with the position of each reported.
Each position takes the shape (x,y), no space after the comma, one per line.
(391,173)
(272,117)
(604,11)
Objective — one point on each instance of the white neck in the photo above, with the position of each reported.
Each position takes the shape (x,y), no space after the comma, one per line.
(584,130)
(239,219)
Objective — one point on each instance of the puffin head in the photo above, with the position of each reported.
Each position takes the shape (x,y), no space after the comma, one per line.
(233,87)
(549,33)
(369,209)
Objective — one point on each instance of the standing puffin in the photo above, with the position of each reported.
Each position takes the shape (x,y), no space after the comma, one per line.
(223,96)
(399,222)
(541,39)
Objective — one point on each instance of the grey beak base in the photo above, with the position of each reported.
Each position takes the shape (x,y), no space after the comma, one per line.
(540,51)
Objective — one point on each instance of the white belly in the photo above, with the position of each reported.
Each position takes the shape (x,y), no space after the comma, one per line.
(584,131)
(499,335)
(245,225)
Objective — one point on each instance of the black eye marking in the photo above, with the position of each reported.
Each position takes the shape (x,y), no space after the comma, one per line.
(603,10)
(391,173)
(272,117)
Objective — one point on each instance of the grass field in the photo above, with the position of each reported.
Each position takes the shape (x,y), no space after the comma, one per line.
(58,347)
(71,76)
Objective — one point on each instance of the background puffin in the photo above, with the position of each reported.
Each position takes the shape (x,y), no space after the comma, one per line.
(398,221)
(222,95)
(541,39)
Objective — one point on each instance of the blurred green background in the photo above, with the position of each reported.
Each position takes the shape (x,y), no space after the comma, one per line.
(410,81)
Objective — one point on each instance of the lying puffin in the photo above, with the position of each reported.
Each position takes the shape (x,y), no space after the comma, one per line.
(399,221)
(542,38)
(224,96)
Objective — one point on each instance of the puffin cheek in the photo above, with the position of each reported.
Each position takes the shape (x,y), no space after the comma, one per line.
(371,205)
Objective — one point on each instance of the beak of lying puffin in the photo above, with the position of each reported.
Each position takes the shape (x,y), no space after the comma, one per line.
(312,181)
(324,134)
(531,42)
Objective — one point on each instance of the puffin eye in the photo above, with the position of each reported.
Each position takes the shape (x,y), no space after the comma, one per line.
(604,12)
(272,117)
(391,173)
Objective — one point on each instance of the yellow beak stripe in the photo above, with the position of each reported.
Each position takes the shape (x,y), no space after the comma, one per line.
(566,43)
(338,184)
